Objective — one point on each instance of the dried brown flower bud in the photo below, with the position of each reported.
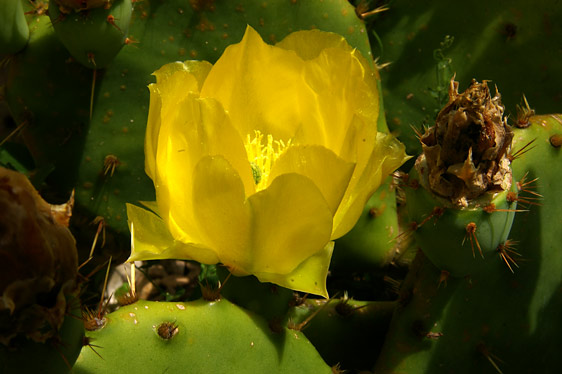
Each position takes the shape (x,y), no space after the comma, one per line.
(465,153)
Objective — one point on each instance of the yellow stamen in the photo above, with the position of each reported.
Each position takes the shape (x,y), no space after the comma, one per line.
(263,156)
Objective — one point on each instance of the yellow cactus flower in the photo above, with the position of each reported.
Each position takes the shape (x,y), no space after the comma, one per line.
(263,159)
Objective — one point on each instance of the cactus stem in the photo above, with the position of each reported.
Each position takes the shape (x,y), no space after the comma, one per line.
(471,234)
(506,251)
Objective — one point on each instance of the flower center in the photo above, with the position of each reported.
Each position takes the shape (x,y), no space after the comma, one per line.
(262,156)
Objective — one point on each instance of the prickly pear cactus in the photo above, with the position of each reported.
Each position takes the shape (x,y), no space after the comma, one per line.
(482,288)
(197,337)
(479,323)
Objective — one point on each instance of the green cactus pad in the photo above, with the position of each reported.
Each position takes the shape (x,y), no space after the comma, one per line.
(93,37)
(14,31)
(266,299)
(194,337)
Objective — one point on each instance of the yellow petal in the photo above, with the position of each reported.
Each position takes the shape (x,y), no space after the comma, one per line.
(291,221)
(338,81)
(257,84)
(309,276)
(308,44)
(199,69)
(388,154)
(197,128)
(329,173)
(273,231)
(173,82)
(344,85)
(222,216)
(152,131)
(150,239)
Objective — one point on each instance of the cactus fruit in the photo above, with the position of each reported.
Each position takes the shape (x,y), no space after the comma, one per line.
(196,337)
(38,278)
(458,191)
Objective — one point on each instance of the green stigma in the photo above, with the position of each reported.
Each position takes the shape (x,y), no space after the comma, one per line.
(256,172)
